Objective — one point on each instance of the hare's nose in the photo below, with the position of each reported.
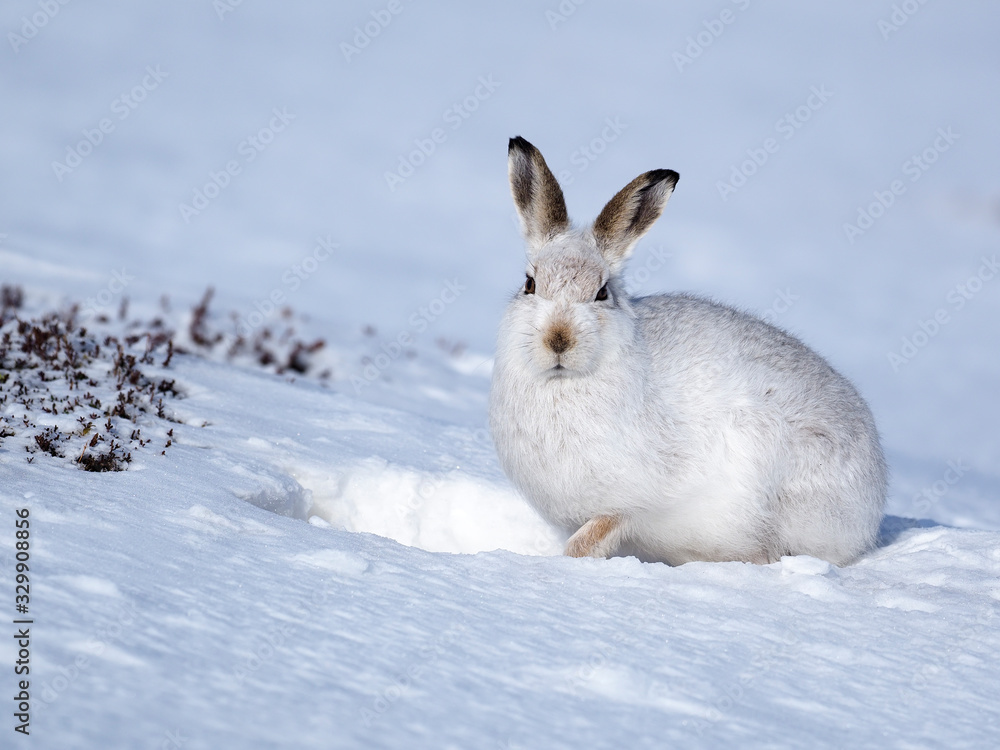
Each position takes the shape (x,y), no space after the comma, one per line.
(559,339)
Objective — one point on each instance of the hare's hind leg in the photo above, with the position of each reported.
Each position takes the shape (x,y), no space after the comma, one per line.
(599,537)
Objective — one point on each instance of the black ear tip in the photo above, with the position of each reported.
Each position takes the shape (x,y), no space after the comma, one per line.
(663,175)
(517,143)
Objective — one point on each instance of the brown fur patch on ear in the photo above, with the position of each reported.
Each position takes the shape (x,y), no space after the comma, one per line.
(522,171)
(537,195)
(630,214)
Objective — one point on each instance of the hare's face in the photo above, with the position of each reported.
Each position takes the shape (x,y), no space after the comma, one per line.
(570,310)
(572,313)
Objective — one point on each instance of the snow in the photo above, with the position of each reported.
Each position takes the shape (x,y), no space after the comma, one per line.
(339,561)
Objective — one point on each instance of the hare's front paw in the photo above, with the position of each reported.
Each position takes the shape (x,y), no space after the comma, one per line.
(597,538)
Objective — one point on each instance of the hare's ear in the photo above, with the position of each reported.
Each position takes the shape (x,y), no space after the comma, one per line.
(537,195)
(630,214)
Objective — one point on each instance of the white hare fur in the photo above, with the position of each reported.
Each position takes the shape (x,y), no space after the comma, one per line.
(669,427)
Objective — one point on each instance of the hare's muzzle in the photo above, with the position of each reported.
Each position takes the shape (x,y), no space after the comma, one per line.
(559,338)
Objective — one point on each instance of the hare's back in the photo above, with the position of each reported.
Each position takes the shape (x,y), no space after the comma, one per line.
(697,344)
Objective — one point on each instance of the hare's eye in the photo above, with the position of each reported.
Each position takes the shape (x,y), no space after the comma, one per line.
(602,293)
(529,285)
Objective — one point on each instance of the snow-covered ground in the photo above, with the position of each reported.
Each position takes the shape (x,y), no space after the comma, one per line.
(338,561)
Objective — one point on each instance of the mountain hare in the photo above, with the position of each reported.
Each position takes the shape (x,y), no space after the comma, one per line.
(669,427)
